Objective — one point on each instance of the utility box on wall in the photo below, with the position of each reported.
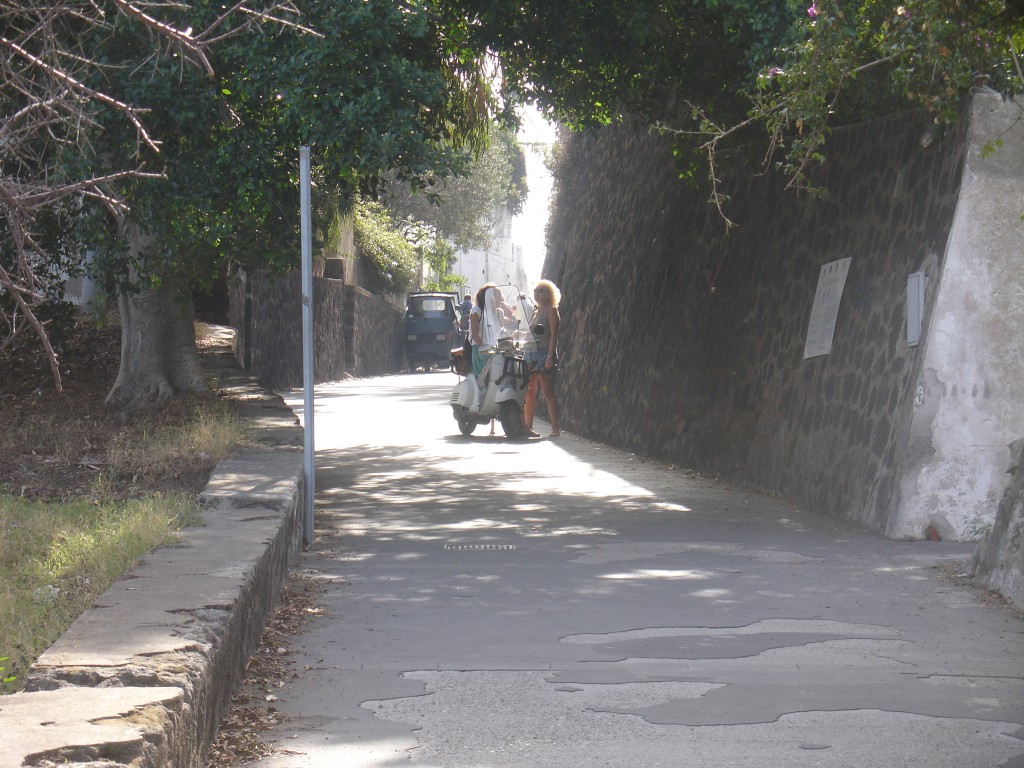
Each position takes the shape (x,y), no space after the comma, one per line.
(916,284)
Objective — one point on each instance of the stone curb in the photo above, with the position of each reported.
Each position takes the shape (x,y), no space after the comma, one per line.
(144,676)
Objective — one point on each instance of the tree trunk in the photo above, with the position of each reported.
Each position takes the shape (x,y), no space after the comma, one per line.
(158,347)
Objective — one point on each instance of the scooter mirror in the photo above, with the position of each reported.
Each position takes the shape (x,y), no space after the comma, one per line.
(538,329)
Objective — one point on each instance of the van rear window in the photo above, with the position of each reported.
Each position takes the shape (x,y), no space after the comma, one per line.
(429,307)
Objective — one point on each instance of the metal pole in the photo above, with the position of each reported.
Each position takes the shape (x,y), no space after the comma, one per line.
(306,232)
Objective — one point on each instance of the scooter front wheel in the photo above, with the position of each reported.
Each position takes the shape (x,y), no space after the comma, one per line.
(510,414)
(466,426)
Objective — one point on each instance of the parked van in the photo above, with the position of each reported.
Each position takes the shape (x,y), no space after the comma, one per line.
(432,329)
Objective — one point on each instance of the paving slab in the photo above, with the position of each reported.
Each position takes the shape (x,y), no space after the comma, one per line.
(120,725)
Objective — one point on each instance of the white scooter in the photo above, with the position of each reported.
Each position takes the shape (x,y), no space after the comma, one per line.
(500,389)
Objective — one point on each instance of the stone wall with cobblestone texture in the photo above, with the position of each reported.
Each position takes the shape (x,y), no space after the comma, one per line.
(377,336)
(354,331)
(684,340)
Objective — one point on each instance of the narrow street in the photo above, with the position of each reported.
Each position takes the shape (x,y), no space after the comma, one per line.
(557,603)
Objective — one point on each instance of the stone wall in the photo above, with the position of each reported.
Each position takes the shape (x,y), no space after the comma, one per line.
(377,338)
(354,331)
(683,339)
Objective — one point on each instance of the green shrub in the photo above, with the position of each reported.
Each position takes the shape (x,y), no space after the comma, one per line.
(390,260)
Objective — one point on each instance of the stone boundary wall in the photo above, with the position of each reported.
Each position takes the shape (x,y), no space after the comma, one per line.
(377,336)
(143,678)
(354,331)
(684,340)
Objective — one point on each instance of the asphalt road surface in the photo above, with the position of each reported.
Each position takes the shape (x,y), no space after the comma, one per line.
(560,604)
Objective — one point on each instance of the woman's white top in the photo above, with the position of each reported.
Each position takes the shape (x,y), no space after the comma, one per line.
(490,322)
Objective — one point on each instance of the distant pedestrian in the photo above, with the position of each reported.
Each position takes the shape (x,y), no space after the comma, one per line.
(464,309)
(541,354)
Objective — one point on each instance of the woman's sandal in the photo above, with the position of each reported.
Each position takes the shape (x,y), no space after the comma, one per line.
(531,433)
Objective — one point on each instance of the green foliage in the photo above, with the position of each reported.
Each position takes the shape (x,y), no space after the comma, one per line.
(715,73)
(390,260)
(438,258)
(372,86)
(462,208)
(445,284)
(588,63)
(438,255)
(859,58)
(460,212)
(989,148)
(405,90)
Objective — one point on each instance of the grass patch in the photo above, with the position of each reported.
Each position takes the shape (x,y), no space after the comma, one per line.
(183,438)
(61,449)
(93,517)
(56,558)
(83,496)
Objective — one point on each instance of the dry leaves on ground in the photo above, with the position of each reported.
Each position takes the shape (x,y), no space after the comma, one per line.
(956,573)
(253,712)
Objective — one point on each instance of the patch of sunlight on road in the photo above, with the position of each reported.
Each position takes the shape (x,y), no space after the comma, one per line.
(576,477)
(478,524)
(425,531)
(375,753)
(610,552)
(654,573)
(763,626)
(714,594)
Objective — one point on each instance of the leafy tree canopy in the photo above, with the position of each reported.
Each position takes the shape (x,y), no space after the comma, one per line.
(717,71)
(184,118)
(462,207)
(371,86)
(853,59)
(588,62)
(181,121)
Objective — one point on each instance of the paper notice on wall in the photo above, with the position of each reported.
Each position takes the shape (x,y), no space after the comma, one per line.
(822,325)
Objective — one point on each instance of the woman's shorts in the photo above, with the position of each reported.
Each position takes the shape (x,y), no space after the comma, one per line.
(535,361)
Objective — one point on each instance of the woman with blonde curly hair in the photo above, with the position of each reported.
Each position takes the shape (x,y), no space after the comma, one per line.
(541,355)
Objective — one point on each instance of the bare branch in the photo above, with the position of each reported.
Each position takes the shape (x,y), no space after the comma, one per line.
(26,309)
(183,39)
(47,81)
(57,74)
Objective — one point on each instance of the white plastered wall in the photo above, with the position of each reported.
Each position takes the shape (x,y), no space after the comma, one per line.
(970,398)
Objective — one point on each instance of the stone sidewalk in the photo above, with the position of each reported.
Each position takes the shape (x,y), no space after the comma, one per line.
(144,676)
